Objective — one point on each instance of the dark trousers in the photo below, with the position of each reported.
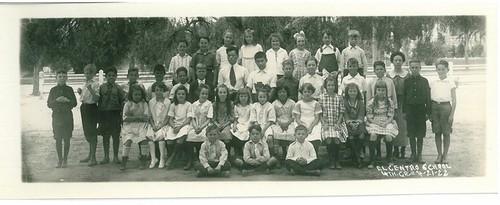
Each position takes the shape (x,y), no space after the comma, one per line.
(259,168)
(238,145)
(199,167)
(89,113)
(301,169)
(415,121)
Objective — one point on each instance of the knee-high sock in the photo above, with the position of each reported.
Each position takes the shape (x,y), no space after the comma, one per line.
(329,151)
(152,149)
(336,152)
(388,147)
(125,151)
(373,146)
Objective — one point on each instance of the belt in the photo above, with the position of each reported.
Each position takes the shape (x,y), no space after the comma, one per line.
(441,103)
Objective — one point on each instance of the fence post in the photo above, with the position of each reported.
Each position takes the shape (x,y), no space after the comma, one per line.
(101,77)
(40,83)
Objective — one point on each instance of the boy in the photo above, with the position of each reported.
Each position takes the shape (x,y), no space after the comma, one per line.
(201,72)
(213,155)
(313,78)
(256,156)
(328,56)
(132,75)
(233,75)
(301,156)
(262,76)
(207,58)
(182,77)
(416,110)
(443,91)
(61,100)
(289,81)
(354,77)
(89,95)
(111,101)
(159,73)
(354,51)
(181,60)
(379,70)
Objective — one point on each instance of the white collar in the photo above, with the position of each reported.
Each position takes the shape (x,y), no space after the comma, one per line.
(329,45)
(351,77)
(393,73)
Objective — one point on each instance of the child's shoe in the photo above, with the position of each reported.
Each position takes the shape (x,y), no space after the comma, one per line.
(162,163)
(123,165)
(225,174)
(153,163)
(337,165)
(64,163)
(59,164)
(189,165)
(105,160)
(419,160)
(438,159)
(315,172)
(116,160)
(169,163)
(371,165)
(245,172)
(444,160)
(92,163)
(199,174)
(87,159)
(292,172)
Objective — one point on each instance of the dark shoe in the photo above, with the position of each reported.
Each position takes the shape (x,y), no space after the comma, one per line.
(188,166)
(64,163)
(116,160)
(419,160)
(438,159)
(59,164)
(333,166)
(104,161)
(313,172)
(199,174)
(92,163)
(225,174)
(245,172)
(123,165)
(169,163)
(338,167)
(371,165)
(412,159)
(291,172)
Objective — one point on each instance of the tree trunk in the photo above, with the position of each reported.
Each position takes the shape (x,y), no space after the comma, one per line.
(36,80)
(375,54)
(466,50)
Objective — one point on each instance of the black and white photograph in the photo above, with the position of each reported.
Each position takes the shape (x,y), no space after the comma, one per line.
(112,95)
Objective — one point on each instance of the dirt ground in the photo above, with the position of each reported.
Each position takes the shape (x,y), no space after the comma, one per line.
(467,156)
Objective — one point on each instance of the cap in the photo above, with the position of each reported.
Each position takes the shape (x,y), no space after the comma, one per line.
(353,33)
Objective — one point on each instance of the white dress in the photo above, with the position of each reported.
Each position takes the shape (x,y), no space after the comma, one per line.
(307,110)
(159,111)
(202,112)
(242,114)
(179,113)
(284,113)
(247,53)
(134,131)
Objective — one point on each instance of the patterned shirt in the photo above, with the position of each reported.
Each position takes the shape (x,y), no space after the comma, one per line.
(252,151)
(299,58)
(382,112)
(213,152)
(332,108)
(391,88)
(179,61)
(263,113)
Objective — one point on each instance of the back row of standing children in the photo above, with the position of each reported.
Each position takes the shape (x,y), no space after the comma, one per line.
(320,109)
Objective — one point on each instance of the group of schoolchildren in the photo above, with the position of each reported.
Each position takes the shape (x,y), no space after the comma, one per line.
(259,104)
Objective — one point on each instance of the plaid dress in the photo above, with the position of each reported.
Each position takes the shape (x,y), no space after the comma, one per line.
(333,108)
(381,113)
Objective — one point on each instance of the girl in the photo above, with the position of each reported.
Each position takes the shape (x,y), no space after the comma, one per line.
(276,55)
(284,128)
(307,113)
(248,50)
(399,75)
(242,121)
(135,124)
(179,118)
(221,55)
(263,114)
(355,120)
(328,55)
(202,114)
(333,129)
(299,55)
(380,117)
(158,107)
(312,78)
(223,114)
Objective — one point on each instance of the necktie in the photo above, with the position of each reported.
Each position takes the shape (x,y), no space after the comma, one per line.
(232,77)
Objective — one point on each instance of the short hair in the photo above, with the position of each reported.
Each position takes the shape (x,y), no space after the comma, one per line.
(182,41)
(255,127)
(380,63)
(333,79)
(279,88)
(327,32)
(307,86)
(212,127)
(415,61)
(159,68)
(180,69)
(181,87)
(61,71)
(353,61)
(275,35)
(260,54)
(132,70)
(159,85)
(204,37)
(398,53)
(203,86)
(249,31)
(300,127)
(112,69)
(232,48)
(311,58)
(91,67)
(442,62)
(287,62)
(132,89)
(202,67)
